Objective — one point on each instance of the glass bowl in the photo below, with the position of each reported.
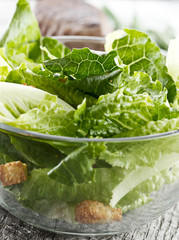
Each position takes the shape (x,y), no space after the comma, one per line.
(55,215)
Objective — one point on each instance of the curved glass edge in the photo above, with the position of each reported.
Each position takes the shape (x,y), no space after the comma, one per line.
(88,39)
(41,136)
(163,200)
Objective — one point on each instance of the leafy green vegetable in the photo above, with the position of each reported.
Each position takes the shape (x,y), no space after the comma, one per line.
(92,73)
(97,85)
(140,195)
(76,167)
(39,153)
(52,49)
(22,39)
(116,113)
(140,82)
(172,59)
(3,73)
(136,50)
(173,64)
(47,117)
(8,152)
(40,187)
(47,81)
(18,99)
(82,63)
(132,155)
(4,66)
(140,175)
(154,127)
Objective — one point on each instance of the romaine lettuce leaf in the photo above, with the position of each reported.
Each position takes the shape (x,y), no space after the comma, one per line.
(3,72)
(8,152)
(140,195)
(4,66)
(97,85)
(52,83)
(153,127)
(40,186)
(16,99)
(76,167)
(141,174)
(136,50)
(82,63)
(138,101)
(48,117)
(140,83)
(40,154)
(22,39)
(52,48)
(134,154)
(90,72)
(115,113)
(172,61)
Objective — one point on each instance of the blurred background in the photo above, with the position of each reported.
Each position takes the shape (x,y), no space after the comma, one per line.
(159,18)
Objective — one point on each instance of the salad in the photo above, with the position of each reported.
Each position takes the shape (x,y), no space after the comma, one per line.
(126,91)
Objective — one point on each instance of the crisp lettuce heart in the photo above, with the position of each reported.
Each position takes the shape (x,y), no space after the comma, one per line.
(17,99)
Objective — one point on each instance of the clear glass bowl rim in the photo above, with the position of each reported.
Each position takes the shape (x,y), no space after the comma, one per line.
(35,135)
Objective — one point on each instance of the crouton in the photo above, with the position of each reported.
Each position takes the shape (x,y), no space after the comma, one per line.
(96,212)
(13,173)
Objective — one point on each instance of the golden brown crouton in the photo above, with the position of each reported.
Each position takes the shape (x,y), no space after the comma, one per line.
(13,173)
(96,212)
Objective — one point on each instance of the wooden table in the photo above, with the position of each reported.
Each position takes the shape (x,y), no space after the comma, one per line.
(164,228)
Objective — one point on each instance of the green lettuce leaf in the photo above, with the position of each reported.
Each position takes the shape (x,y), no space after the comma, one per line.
(97,85)
(4,71)
(52,49)
(4,66)
(154,127)
(172,61)
(173,65)
(141,174)
(16,99)
(40,186)
(39,153)
(48,117)
(140,195)
(22,39)
(76,167)
(115,113)
(134,154)
(82,63)
(52,83)
(136,50)
(92,73)
(8,152)
(138,83)
(138,101)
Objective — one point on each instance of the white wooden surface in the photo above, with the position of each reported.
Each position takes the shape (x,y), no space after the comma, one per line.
(164,228)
